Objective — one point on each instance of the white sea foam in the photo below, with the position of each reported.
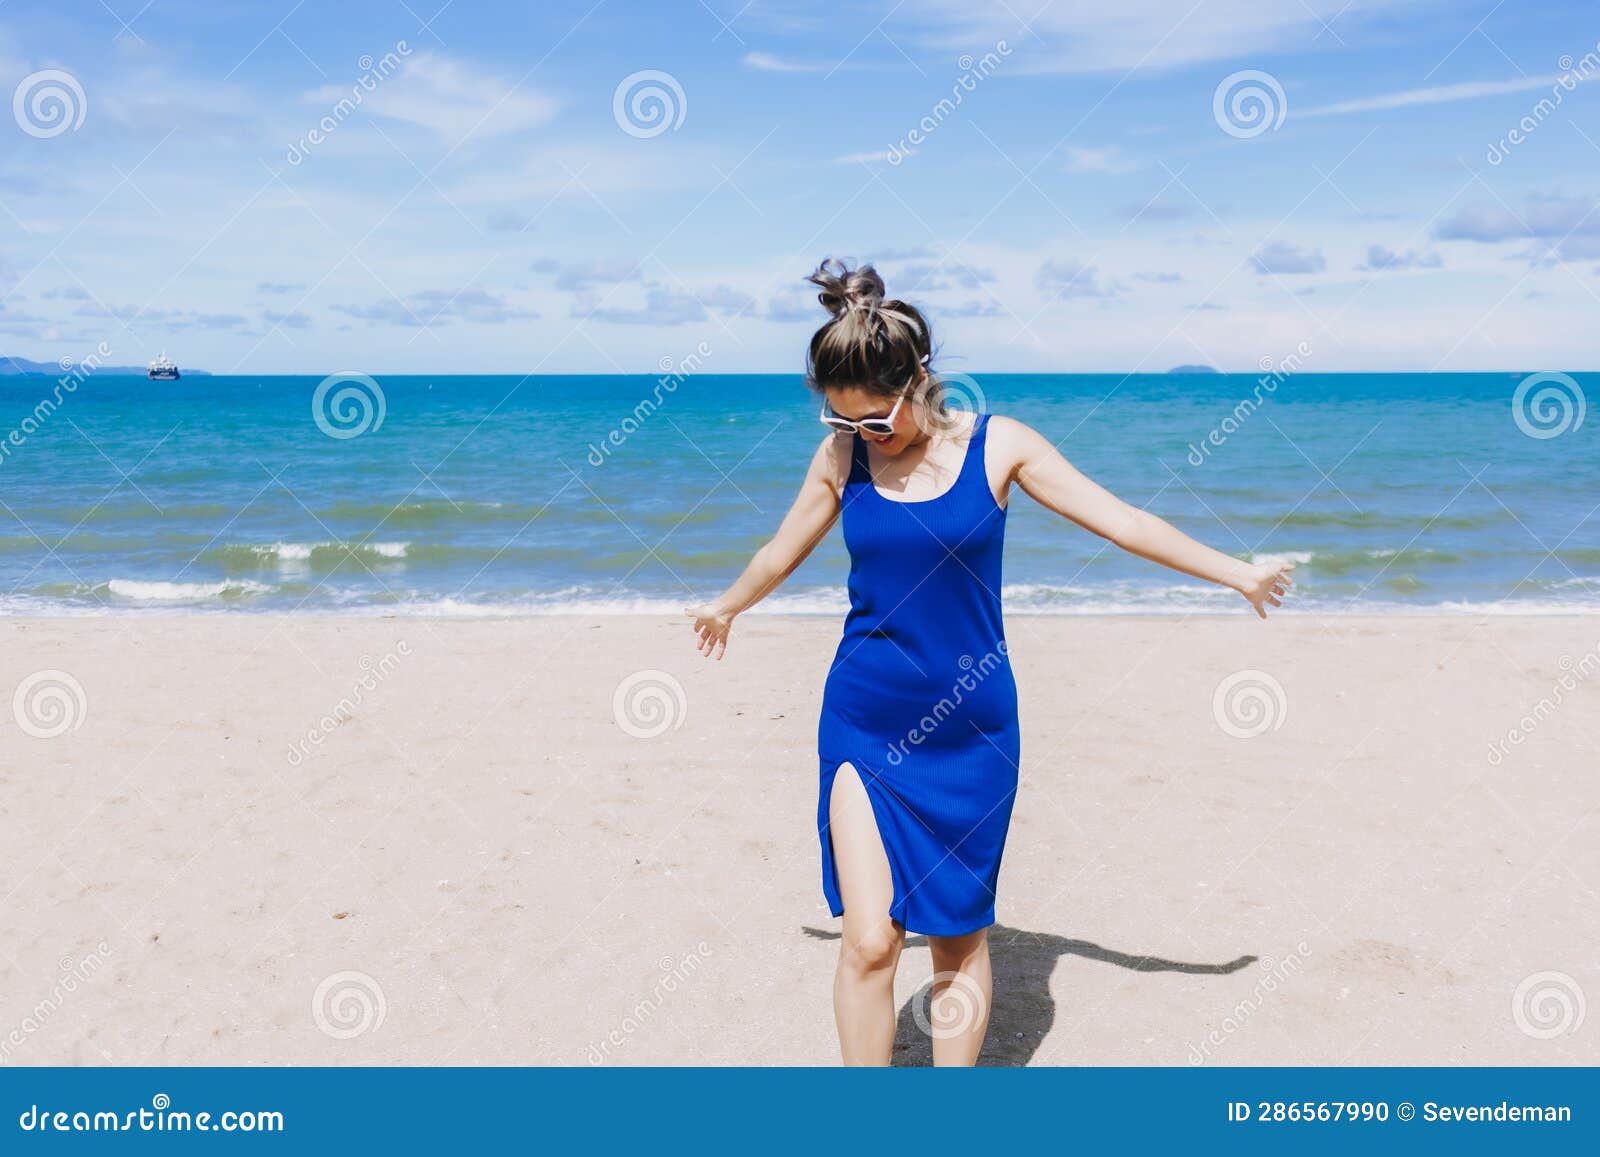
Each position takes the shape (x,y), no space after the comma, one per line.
(1574,597)
(1078,605)
(30,605)
(1025,598)
(224,598)
(141,591)
(298,552)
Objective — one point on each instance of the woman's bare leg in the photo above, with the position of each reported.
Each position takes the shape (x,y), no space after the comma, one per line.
(863,986)
(958,1006)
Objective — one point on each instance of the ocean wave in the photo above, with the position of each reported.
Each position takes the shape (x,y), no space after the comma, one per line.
(1581,582)
(1390,561)
(1023,599)
(1341,562)
(139,590)
(599,601)
(1372,520)
(45,606)
(1041,601)
(248,556)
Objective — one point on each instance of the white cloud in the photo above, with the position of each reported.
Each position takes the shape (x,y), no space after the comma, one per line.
(1067,277)
(878,157)
(453,99)
(430,307)
(767,62)
(1441,94)
(1146,34)
(1568,227)
(1543,217)
(13,66)
(666,305)
(1282,257)
(1381,257)
(1106,160)
(600,171)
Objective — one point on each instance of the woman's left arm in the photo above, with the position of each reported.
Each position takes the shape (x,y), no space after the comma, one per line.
(1053,482)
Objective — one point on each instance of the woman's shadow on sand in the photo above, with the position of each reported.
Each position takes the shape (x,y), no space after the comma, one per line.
(1023,1012)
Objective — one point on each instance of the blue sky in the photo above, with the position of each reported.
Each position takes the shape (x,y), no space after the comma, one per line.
(1084,207)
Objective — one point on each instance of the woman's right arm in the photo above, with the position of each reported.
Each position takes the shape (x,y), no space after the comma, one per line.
(812,515)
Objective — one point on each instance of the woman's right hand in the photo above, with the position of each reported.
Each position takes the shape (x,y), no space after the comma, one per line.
(815,510)
(711,627)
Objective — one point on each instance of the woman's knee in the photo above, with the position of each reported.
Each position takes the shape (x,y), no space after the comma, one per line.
(874,949)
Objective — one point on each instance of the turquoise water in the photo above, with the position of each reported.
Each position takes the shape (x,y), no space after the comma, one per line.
(508,495)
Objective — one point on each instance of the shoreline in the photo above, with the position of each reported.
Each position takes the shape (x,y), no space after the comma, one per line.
(365,616)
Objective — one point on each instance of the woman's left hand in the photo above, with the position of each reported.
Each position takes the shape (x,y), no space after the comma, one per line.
(1266,584)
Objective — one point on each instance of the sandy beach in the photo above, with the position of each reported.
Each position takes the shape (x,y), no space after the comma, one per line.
(257,839)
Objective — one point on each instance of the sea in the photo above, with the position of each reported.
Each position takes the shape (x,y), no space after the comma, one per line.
(507,495)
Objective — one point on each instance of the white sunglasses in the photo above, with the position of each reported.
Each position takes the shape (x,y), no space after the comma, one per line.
(881,427)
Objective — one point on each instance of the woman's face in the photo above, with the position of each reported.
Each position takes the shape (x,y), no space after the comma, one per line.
(855,403)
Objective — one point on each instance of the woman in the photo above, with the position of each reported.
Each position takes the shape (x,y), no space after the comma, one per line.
(918,738)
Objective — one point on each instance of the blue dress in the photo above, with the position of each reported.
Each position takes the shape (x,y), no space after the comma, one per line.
(920,699)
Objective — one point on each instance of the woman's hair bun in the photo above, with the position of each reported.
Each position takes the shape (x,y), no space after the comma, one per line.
(868,342)
(842,289)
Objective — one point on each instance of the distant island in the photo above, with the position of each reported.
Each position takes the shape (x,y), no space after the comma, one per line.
(13,367)
(1194,370)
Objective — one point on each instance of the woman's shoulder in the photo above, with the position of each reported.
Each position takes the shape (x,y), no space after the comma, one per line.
(1012,442)
(832,459)
(1006,427)
(1004,431)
